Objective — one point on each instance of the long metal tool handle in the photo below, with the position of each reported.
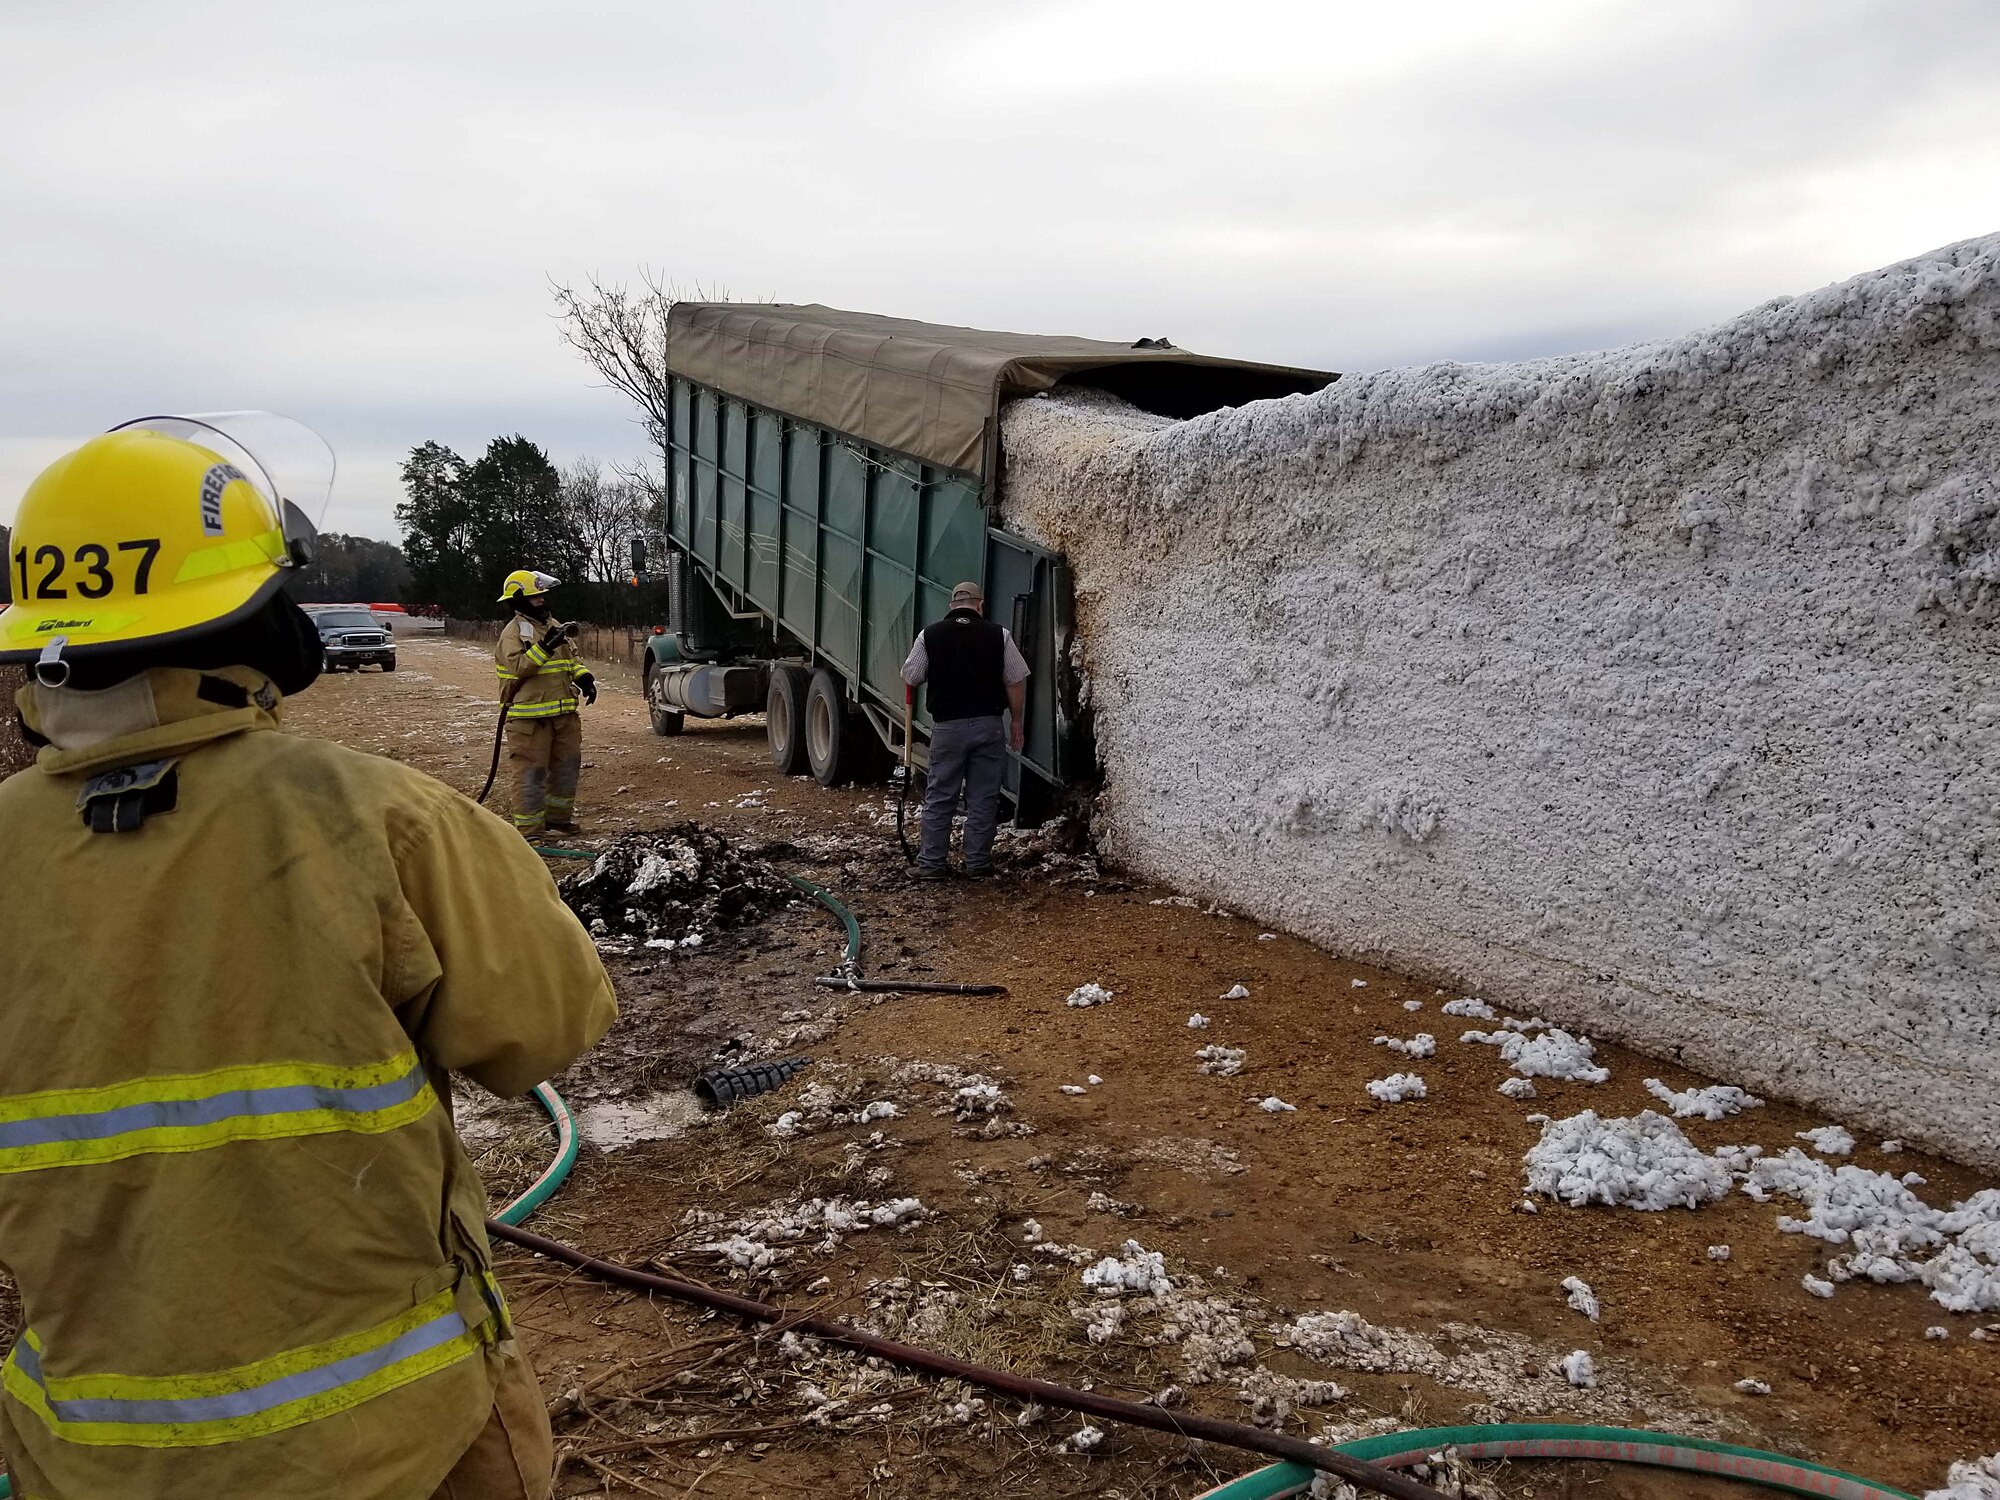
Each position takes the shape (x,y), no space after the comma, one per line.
(909,762)
(1358,1472)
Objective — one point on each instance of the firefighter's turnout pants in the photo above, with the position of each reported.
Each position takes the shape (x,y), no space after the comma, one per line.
(544,757)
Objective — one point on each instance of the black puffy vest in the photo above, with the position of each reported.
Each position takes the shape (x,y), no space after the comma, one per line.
(968,656)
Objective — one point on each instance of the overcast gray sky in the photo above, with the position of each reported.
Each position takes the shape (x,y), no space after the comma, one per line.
(348,212)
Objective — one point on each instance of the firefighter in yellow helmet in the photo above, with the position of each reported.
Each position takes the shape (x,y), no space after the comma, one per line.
(249,1246)
(541,684)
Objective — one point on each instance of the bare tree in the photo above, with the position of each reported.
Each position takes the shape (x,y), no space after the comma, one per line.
(605,512)
(622,334)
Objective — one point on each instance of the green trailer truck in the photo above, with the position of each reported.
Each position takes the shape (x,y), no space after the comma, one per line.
(830,476)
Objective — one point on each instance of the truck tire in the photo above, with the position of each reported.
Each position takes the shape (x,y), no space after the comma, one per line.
(831,742)
(666,721)
(785,718)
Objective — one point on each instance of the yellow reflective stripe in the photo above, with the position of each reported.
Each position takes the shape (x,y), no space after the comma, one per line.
(270,1395)
(505,675)
(166,1086)
(186,1112)
(53,619)
(227,557)
(548,710)
(536,654)
(496,1300)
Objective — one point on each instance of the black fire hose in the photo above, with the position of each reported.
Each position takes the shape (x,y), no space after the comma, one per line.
(499,734)
(1358,1472)
(908,986)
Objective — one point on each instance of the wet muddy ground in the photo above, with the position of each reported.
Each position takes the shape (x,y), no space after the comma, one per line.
(1408,1215)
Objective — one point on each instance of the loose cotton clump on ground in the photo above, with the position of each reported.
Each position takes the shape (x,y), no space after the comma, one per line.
(1643,1163)
(1716,1102)
(1581,1297)
(1553,1054)
(1397,1087)
(1086,995)
(1137,1269)
(1423,1044)
(1829,1140)
(1890,1234)
(1975,1479)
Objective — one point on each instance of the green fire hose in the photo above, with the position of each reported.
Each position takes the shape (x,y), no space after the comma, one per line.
(1552,1440)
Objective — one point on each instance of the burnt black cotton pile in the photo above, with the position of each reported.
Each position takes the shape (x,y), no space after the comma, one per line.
(685,882)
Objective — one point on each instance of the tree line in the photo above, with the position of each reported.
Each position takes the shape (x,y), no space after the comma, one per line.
(351,570)
(467,525)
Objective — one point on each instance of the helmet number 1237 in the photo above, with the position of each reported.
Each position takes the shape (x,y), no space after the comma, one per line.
(93,564)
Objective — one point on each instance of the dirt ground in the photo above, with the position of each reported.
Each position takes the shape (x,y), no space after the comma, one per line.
(1409,1215)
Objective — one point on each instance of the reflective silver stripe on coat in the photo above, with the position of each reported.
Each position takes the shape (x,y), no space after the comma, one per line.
(285,1099)
(257,1398)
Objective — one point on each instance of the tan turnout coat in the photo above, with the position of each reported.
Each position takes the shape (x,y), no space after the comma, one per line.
(542,685)
(248,1243)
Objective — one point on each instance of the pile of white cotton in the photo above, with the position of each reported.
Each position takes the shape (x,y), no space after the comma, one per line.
(1892,1235)
(1137,1270)
(1643,1163)
(1829,1140)
(1553,1054)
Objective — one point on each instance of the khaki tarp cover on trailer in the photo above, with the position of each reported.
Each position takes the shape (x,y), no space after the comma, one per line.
(928,390)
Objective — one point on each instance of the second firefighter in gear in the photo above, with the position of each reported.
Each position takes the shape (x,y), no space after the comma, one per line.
(239,966)
(542,684)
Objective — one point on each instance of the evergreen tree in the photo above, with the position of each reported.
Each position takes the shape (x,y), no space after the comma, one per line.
(467,526)
(438,531)
(515,497)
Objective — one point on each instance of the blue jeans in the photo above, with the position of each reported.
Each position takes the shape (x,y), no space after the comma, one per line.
(968,753)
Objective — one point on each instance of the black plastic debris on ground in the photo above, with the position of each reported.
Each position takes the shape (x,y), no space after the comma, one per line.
(679,885)
(720,1086)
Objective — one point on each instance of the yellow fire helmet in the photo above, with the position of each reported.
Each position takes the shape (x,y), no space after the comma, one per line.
(526,581)
(161,529)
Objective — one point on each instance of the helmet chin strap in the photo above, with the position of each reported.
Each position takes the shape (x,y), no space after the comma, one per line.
(50,669)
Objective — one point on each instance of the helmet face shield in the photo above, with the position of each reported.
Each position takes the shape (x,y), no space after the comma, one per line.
(289,464)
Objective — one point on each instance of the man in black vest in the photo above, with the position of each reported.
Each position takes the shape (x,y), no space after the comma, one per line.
(975,672)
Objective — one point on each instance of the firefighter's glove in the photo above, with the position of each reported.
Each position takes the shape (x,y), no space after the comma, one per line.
(587,685)
(554,636)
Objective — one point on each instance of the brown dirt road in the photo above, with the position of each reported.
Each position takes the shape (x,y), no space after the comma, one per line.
(1406,1214)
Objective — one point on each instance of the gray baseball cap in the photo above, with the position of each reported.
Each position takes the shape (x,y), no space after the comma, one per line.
(967,593)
